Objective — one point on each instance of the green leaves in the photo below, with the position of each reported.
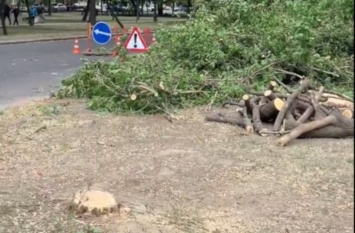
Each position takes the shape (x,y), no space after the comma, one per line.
(230,45)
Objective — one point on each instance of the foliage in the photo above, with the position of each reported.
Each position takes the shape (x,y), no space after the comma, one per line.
(228,47)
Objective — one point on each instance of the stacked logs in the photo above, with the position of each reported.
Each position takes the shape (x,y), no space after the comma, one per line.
(302,113)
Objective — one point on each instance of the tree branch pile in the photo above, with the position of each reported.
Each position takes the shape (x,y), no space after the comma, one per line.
(306,112)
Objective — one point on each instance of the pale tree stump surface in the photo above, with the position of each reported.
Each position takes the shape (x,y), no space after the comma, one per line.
(95,202)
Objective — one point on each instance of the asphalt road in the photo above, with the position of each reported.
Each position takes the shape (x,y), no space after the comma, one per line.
(35,69)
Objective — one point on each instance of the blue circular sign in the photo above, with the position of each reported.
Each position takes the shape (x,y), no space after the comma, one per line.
(101,33)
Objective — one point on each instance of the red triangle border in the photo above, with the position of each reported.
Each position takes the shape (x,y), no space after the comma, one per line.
(135,29)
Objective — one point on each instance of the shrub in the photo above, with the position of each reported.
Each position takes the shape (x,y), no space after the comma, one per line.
(229,46)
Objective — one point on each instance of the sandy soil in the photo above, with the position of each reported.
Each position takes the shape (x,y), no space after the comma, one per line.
(184,176)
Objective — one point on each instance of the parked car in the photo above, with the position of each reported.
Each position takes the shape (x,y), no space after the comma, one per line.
(104,7)
(59,7)
(38,6)
(121,9)
(79,6)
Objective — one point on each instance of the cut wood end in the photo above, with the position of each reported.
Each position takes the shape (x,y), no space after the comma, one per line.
(94,202)
(133,97)
(264,132)
(246,97)
(279,103)
(249,129)
(274,84)
(347,113)
(281,142)
(268,93)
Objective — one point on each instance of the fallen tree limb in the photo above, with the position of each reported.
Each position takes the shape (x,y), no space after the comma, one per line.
(318,112)
(306,127)
(290,100)
(303,98)
(248,125)
(332,93)
(258,125)
(287,88)
(233,119)
(289,72)
(341,128)
(306,115)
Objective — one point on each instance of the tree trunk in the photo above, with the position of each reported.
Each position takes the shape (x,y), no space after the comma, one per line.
(188,6)
(2,16)
(29,13)
(160,8)
(92,16)
(137,11)
(86,11)
(49,8)
(155,19)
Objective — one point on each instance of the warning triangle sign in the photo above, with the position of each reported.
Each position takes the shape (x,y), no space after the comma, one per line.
(135,42)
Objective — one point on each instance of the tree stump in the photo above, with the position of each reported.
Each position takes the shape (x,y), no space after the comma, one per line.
(94,202)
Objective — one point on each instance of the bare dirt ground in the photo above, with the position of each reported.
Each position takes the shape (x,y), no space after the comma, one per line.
(185,176)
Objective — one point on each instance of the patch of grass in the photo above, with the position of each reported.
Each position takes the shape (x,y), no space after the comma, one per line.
(65,25)
(49,110)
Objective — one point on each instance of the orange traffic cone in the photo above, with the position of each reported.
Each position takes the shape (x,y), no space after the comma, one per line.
(76,49)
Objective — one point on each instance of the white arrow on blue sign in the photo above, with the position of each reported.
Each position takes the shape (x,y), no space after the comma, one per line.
(101,33)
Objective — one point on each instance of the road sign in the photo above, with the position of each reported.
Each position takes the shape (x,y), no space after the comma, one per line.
(135,42)
(101,33)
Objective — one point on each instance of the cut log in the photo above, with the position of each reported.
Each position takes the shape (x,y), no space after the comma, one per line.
(297,114)
(303,97)
(270,110)
(342,128)
(231,102)
(233,118)
(347,113)
(289,102)
(273,86)
(331,102)
(258,125)
(263,100)
(306,115)
(248,125)
(306,127)
(301,105)
(318,112)
(246,99)
(270,95)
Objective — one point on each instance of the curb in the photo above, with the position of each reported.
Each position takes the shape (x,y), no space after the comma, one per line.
(42,40)
(96,54)
(52,39)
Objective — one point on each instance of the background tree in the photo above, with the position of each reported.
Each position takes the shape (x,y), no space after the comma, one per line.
(2,16)
(49,7)
(92,16)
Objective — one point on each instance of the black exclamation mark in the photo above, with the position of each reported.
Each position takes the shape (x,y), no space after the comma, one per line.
(135,40)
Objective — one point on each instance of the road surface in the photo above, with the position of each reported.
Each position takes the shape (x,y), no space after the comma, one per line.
(35,69)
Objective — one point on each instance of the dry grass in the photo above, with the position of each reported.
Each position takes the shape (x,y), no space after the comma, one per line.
(185,176)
